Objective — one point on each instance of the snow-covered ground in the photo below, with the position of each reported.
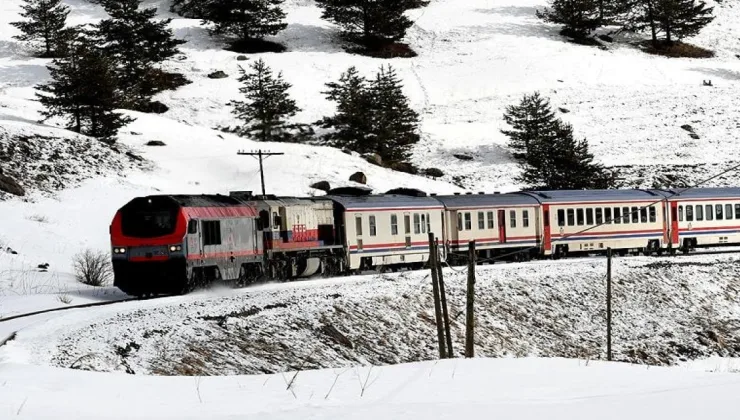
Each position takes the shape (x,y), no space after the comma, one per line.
(521,389)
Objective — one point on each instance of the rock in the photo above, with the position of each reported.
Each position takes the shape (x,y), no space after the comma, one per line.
(564,110)
(134,156)
(11,186)
(10,250)
(694,136)
(321,185)
(606,38)
(347,152)
(434,172)
(463,157)
(218,75)
(358,177)
(155,143)
(333,333)
(43,267)
(241,58)
(374,158)
(405,167)
(688,128)
(156,107)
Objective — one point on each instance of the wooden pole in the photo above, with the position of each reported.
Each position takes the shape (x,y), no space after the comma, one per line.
(469,308)
(609,304)
(435,290)
(443,300)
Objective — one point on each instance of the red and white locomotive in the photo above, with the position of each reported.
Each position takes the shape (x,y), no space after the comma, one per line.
(172,243)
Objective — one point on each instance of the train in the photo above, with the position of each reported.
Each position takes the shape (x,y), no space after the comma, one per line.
(172,244)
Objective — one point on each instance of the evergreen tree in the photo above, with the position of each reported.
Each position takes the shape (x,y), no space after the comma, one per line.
(674,19)
(370,21)
(83,90)
(248,20)
(191,9)
(531,121)
(136,43)
(45,22)
(578,17)
(549,155)
(352,122)
(395,124)
(267,104)
(372,117)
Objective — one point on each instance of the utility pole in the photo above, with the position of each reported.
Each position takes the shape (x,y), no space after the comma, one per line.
(435,290)
(261,156)
(469,309)
(609,304)
(443,301)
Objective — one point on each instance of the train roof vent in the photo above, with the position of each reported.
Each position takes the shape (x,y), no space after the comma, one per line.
(350,191)
(411,192)
(241,194)
(468,193)
(457,193)
(497,192)
(433,194)
(481,192)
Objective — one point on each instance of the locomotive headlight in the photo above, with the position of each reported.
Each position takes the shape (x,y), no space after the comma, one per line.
(119,250)
(175,248)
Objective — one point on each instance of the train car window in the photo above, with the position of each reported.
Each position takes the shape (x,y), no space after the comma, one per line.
(512,218)
(599,216)
(699,213)
(709,213)
(491,224)
(407,224)
(211,232)
(394,224)
(468,221)
(276,222)
(579,217)
(417,223)
(626,215)
(653,216)
(423,223)
(481,220)
(561,217)
(643,215)
(525,218)
(728,211)
(689,213)
(680,213)
(429,223)
(459,221)
(608,215)
(589,217)
(571,217)
(193,226)
(635,215)
(718,211)
(618,215)
(737,211)
(373,229)
(358,225)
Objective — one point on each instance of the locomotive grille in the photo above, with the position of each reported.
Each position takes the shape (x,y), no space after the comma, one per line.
(148,251)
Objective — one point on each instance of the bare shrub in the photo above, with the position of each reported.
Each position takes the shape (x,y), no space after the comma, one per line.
(64,298)
(92,267)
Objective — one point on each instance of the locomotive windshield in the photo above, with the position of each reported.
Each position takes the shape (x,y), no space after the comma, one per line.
(149,217)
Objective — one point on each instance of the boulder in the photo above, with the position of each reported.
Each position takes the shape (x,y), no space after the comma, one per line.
(11,186)
(358,177)
(155,143)
(564,110)
(406,167)
(218,75)
(688,128)
(463,156)
(434,172)
(241,58)
(374,158)
(10,250)
(694,136)
(606,38)
(321,185)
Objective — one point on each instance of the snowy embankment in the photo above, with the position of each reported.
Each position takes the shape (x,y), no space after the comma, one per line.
(665,311)
(521,389)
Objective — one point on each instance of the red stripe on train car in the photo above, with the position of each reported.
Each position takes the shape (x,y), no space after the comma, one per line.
(621,232)
(399,244)
(211,255)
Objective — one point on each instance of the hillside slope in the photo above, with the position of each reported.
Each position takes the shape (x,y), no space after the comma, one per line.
(475,57)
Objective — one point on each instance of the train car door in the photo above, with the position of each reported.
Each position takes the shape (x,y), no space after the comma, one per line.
(547,236)
(674,222)
(502,226)
(407,228)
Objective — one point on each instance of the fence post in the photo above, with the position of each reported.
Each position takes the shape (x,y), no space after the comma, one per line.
(443,301)
(435,290)
(609,304)
(469,307)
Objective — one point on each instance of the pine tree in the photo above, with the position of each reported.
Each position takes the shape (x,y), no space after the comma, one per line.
(83,90)
(352,123)
(578,17)
(370,21)
(395,124)
(45,22)
(247,20)
(191,9)
(267,104)
(674,19)
(531,121)
(136,43)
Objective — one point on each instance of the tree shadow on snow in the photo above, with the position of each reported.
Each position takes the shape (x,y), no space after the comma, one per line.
(487,154)
(532,27)
(310,38)
(719,73)
(23,75)
(517,11)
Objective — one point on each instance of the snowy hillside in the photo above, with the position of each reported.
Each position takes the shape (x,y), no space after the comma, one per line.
(475,57)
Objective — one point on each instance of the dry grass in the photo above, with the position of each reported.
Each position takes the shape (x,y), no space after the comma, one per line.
(676,49)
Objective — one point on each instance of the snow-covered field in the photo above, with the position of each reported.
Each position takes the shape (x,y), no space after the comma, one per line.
(475,58)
